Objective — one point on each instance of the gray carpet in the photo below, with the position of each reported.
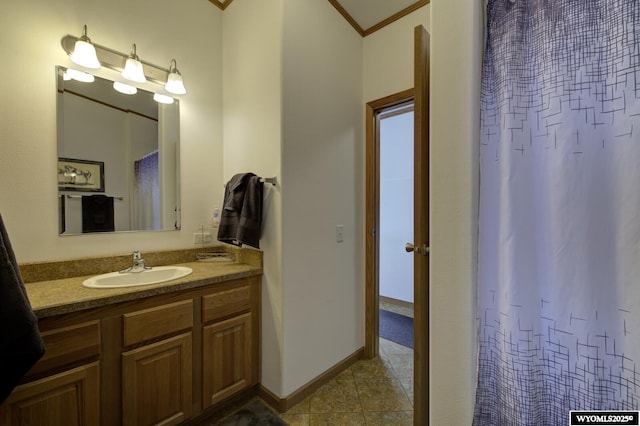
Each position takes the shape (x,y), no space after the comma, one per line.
(397,328)
(253,414)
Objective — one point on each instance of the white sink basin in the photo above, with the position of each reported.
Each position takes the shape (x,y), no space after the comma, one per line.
(155,275)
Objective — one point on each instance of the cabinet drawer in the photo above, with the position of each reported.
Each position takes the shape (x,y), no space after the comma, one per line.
(225,303)
(156,322)
(68,345)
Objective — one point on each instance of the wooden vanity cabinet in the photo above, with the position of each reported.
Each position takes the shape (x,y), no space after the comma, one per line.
(161,360)
(227,343)
(156,377)
(69,398)
(65,383)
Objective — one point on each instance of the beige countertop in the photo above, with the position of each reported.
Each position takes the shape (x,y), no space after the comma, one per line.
(61,296)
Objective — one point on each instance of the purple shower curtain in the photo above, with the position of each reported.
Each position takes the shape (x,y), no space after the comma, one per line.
(146,202)
(559,216)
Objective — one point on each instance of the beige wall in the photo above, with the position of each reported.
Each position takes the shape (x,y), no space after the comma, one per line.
(456,46)
(252,75)
(30,34)
(292,109)
(322,179)
(388,56)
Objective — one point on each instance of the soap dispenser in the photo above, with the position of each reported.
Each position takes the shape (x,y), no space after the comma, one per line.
(215,218)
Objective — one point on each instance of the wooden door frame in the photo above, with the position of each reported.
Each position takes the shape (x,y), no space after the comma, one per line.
(421,361)
(372,219)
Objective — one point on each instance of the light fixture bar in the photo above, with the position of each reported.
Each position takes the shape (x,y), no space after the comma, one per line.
(116,60)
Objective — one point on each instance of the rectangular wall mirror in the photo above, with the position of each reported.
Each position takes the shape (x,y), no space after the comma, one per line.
(118,159)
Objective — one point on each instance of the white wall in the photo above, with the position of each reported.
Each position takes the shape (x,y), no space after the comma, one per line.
(168,147)
(30,34)
(395,268)
(292,109)
(388,56)
(322,182)
(456,46)
(252,64)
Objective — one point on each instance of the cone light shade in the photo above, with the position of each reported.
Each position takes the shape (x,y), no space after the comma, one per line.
(84,77)
(174,83)
(133,68)
(163,99)
(124,88)
(84,53)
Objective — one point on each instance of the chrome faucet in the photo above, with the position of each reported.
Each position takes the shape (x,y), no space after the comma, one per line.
(138,264)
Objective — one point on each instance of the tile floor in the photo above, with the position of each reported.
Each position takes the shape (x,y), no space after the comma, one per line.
(370,392)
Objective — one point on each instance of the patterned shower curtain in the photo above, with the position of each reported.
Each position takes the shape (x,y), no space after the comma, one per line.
(559,217)
(146,200)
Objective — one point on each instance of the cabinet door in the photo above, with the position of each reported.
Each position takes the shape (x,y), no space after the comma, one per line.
(226,358)
(156,382)
(69,398)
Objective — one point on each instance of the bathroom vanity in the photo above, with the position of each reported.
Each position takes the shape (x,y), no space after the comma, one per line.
(157,354)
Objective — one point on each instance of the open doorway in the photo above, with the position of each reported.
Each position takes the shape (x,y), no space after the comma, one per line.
(419,244)
(387,114)
(395,268)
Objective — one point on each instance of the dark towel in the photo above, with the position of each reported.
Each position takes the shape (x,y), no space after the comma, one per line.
(20,342)
(97,213)
(251,216)
(241,218)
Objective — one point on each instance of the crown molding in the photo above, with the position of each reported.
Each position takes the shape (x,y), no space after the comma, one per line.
(223,4)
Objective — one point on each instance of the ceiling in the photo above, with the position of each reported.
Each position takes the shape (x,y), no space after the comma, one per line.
(365,16)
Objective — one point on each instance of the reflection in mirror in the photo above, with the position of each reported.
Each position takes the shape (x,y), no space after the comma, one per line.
(118,158)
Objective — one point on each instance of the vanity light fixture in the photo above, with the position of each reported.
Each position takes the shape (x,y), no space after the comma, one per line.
(133,68)
(124,88)
(71,74)
(84,53)
(130,66)
(163,99)
(174,83)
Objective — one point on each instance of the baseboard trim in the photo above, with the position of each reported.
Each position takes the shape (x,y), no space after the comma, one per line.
(272,399)
(284,404)
(397,302)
